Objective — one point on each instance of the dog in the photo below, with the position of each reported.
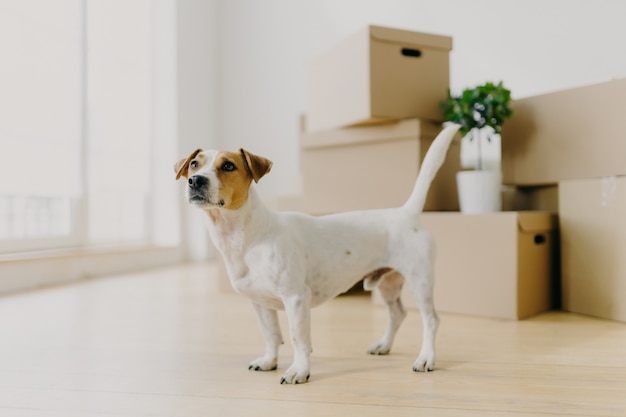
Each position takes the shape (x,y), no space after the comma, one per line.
(293,261)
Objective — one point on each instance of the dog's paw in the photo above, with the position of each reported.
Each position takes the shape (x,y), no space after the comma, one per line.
(379,348)
(424,364)
(263,364)
(295,376)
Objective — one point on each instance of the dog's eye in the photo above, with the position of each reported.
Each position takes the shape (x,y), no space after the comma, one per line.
(193,164)
(228,166)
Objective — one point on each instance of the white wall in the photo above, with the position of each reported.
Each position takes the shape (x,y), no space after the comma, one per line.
(264,47)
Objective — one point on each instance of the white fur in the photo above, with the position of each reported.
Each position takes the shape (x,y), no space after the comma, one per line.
(294,261)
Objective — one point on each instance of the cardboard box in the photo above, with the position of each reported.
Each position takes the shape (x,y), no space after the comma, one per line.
(566,135)
(379,74)
(593,246)
(373,167)
(500,265)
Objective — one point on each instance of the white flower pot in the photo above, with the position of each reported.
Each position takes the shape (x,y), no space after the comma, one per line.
(479,191)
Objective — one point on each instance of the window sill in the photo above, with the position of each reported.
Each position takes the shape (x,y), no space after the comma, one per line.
(29,270)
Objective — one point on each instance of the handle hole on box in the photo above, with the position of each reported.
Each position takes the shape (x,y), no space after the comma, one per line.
(410,52)
(540,239)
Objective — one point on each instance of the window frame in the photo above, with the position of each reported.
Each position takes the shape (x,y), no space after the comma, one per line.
(78,236)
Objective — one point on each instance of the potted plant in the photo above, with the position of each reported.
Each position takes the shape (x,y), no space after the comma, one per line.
(480,111)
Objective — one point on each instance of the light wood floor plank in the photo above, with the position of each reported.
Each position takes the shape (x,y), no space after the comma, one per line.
(167,343)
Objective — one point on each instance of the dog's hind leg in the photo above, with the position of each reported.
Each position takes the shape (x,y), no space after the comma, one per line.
(423,293)
(268,320)
(389,285)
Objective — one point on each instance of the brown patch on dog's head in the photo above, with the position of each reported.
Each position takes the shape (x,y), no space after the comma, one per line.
(235,173)
(182,167)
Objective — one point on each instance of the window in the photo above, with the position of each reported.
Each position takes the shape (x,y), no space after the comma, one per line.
(119,103)
(79,135)
(40,133)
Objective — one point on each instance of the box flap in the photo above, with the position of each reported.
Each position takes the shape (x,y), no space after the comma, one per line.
(536,221)
(409,37)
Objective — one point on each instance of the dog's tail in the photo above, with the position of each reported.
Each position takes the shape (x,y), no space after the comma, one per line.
(432,162)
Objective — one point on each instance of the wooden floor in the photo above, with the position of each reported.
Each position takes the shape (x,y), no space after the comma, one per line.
(167,343)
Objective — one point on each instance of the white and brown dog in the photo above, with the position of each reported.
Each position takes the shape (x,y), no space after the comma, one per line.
(293,261)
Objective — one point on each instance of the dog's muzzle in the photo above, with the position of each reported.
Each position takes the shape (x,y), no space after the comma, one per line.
(198,189)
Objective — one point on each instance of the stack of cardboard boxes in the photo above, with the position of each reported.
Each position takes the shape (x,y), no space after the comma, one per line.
(373,111)
(372,115)
(573,142)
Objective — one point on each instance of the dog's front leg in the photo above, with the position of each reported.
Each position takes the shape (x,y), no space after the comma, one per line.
(298,308)
(268,321)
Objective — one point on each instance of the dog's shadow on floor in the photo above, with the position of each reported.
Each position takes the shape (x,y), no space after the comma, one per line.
(342,372)
(323,369)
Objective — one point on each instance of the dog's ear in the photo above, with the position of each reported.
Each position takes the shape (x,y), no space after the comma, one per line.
(257,165)
(181,168)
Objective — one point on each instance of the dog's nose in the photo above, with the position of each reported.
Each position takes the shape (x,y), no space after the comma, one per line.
(197,181)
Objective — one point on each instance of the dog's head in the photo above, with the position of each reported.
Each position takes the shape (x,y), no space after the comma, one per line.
(220,178)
